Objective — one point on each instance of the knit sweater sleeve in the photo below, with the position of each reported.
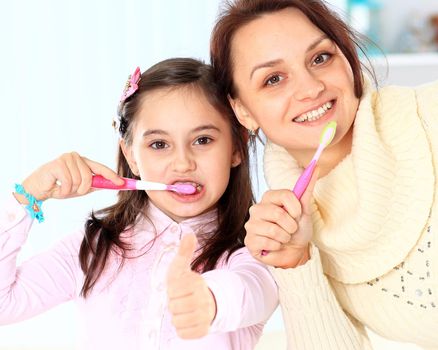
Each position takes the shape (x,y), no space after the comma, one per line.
(312,315)
(39,283)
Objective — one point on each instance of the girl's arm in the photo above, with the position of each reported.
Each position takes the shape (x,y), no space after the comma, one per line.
(50,278)
(39,283)
(244,290)
(239,293)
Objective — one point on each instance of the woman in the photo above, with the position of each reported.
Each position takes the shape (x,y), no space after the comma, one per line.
(360,248)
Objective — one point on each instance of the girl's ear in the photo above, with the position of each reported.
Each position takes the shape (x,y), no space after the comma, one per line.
(236,159)
(242,114)
(129,158)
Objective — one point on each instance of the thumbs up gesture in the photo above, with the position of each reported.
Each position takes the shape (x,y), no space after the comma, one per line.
(191,302)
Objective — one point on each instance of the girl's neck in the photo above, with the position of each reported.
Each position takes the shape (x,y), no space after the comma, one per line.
(330,157)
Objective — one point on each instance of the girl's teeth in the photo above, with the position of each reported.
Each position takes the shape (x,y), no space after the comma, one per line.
(315,114)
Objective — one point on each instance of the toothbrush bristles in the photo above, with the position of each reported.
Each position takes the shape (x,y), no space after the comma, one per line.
(184,188)
(328,133)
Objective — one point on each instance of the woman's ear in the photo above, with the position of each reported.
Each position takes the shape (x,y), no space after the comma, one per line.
(242,114)
(127,152)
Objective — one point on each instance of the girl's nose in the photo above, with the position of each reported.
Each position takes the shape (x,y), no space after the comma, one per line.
(183,162)
(307,86)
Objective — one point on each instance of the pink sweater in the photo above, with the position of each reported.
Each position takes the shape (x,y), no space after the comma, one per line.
(127,308)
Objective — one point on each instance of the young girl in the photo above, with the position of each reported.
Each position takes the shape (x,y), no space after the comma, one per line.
(135,288)
(289,67)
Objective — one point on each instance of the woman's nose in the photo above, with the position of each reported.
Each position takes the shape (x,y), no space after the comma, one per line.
(307,86)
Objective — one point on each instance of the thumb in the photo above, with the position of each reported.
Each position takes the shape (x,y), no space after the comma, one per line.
(183,258)
(306,199)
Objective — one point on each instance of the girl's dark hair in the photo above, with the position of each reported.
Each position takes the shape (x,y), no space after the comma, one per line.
(103,228)
(237,13)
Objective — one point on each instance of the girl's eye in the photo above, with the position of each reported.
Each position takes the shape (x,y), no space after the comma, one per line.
(273,80)
(322,58)
(203,140)
(158,145)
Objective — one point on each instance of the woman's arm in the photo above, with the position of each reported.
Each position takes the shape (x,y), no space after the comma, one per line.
(312,315)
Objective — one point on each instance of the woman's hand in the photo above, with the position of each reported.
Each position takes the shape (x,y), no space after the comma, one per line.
(67,176)
(279,229)
(191,302)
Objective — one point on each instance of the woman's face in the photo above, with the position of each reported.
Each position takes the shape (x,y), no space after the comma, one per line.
(291,80)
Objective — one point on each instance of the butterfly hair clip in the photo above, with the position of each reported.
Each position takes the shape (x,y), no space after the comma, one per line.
(131,85)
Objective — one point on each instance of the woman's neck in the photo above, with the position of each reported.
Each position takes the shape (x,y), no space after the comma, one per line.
(330,157)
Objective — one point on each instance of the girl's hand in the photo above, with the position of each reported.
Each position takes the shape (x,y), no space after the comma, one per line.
(279,229)
(191,302)
(67,176)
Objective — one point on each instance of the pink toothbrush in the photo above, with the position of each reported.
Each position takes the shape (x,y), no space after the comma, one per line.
(133,184)
(327,135)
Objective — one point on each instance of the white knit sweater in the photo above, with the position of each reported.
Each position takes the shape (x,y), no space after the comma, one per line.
(376,230)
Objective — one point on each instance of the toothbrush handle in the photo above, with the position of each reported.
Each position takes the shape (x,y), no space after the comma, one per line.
(99,181)
(304,179)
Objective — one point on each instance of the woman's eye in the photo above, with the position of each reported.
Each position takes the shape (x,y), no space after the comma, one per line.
(324,57)
(158,145)
(273,80)
(203,140)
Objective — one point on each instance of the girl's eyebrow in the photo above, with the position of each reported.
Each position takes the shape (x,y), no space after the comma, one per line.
(205,127)
(272,63)
(197,129)
(155,131)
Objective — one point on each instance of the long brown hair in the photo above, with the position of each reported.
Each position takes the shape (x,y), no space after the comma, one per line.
(236,14)
(103,228)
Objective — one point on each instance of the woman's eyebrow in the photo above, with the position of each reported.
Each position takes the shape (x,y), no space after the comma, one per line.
(317,42)
(274,62)
(268,64)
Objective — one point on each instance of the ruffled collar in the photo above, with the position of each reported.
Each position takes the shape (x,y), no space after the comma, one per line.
(153,222)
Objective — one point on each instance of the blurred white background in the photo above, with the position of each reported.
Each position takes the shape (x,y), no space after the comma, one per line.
(63,68)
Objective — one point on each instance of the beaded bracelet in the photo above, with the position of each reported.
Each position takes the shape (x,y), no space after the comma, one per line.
(34,206)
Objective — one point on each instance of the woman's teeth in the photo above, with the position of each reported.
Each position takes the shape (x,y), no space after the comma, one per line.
(315,114)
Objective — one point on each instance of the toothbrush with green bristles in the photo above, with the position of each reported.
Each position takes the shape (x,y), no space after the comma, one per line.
(326,137)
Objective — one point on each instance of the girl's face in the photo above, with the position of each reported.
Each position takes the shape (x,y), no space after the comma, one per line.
(179,137)
(291,80)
